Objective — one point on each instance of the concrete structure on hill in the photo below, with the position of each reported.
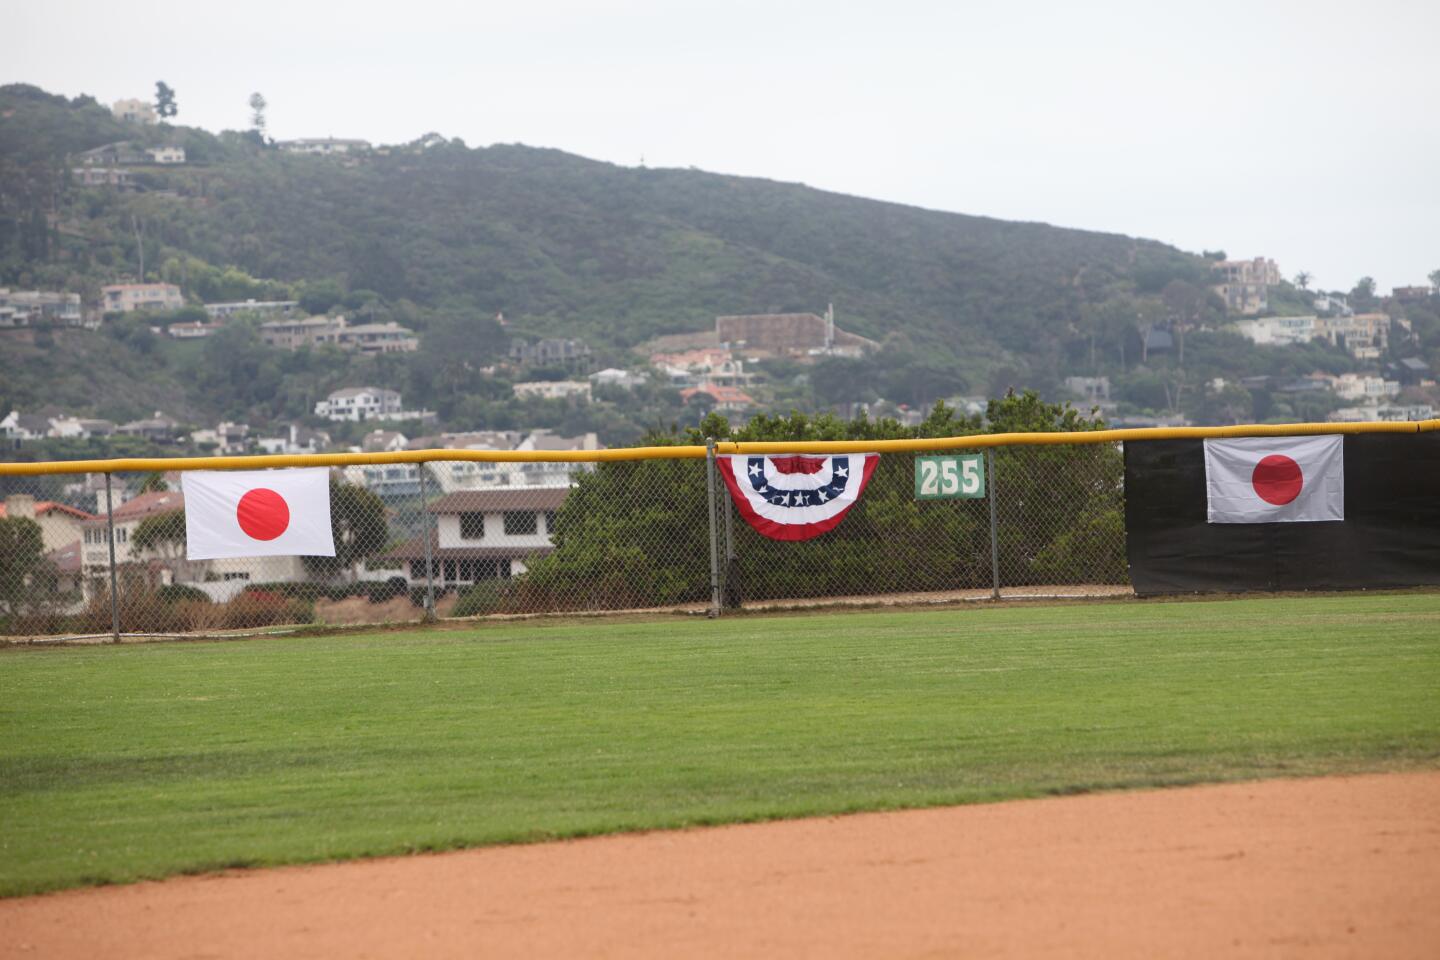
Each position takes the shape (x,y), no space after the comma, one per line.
(802,334)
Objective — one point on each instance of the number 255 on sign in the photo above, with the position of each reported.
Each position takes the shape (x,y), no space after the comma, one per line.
(960,477)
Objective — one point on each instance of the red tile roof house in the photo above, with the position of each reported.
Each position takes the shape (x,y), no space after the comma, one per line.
(60,525)
(220,579)
(484,535)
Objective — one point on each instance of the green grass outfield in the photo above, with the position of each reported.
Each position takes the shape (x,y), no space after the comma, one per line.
(118,763)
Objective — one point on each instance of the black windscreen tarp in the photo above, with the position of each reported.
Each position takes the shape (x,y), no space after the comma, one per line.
(1390,536)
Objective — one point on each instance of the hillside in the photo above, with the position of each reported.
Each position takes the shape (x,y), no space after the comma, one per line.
(443,237)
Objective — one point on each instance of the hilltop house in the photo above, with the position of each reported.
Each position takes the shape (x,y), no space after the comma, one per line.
(135,111)
(224,311)
(551,352)
(554,389)
(367,403)
(484,535)
(158,428)
(731,399)
(125,297)
(29,308)
(367,338)
(323,146)
(1245,285)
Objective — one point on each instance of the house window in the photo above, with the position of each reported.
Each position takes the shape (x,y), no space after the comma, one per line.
(550,522)
(520,522)
(472,526)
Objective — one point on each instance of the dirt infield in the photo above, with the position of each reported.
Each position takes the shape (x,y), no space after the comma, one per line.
(1338,867)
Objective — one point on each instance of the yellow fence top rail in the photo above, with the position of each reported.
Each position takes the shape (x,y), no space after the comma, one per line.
(691,452)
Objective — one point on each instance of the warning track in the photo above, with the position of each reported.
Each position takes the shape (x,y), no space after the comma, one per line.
(1317,868)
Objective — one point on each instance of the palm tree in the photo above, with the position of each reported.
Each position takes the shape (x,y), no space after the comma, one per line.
(1302,280)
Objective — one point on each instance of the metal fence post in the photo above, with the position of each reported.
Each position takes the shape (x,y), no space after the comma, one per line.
(425,535)
(994,527)
(714,531)
(731,590)
(110,537)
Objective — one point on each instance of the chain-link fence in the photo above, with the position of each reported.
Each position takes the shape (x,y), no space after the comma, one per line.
(98,554)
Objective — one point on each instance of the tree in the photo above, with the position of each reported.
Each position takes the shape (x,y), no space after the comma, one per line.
(165,100)
(257,114)
(1183,301)
(154,483)
(23,570)
(1435,280)
(357,521)
(1302,280)
(1362,297)
(163,534)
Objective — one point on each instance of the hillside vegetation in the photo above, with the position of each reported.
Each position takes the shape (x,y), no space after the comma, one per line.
(443,237)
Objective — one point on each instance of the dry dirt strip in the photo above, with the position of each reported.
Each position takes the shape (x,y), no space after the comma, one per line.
(1335,867)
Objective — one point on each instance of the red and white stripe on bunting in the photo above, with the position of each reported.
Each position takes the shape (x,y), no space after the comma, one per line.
(794,496)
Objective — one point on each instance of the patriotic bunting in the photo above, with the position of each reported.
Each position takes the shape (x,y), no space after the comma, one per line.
(795,497)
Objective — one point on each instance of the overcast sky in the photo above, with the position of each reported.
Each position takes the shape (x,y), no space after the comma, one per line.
(1303,131)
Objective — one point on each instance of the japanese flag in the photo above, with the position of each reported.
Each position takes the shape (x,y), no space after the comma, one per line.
(257,513)
(1275,479)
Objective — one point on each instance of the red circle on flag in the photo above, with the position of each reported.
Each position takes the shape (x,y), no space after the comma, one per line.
(1277,479)
(263,514)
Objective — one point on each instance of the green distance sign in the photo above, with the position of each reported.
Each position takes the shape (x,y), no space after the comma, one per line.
(957,477)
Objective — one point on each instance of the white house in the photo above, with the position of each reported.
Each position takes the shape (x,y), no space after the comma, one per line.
(167,154)
(224,311)
(615,377)
(554,389)
(1277,330)
(362,403)
(1356,386)
(484,535)
(323,146)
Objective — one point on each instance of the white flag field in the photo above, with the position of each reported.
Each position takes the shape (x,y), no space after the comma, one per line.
(257,513)
(1275,479)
